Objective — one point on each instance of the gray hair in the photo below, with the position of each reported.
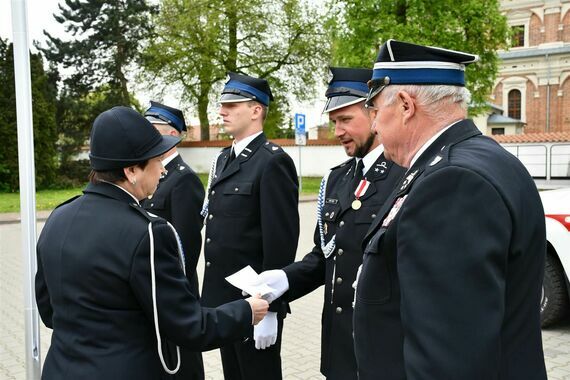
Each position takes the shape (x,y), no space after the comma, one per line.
(434,98)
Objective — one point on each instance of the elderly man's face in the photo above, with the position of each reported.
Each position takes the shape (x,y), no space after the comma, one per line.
(352,128)
(388,124)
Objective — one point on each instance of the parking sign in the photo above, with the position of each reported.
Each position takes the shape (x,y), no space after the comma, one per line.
(300,136)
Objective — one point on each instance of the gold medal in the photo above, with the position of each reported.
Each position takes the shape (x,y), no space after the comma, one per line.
(356,204)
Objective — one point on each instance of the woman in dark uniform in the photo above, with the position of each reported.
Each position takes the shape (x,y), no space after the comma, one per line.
(110,280)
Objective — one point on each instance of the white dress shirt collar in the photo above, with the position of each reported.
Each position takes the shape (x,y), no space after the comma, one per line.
(168,159)
(371,158)
(132,196)
(429,142)
(238,147)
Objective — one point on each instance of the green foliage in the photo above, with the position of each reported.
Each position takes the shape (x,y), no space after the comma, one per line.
(474,26)
(45,199)
(44,124)
(198,41)
(107,38)
(75,116)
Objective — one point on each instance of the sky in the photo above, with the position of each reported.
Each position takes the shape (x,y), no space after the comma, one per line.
(40,17)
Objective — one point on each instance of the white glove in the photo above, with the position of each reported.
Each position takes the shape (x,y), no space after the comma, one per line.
(265,332)
(276,279)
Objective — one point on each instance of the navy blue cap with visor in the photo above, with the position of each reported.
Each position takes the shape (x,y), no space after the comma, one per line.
(404,63)
(348,86)
(159,113)
(243,88)
(121,137)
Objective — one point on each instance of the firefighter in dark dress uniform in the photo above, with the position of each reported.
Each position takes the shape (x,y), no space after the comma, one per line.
(179,199)
(453,264)
(110,279)
(252,218)
(350,196)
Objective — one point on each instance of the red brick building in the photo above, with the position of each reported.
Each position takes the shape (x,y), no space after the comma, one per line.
(532,85)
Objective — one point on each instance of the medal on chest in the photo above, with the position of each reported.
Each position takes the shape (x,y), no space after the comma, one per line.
(394,211)
(359,192)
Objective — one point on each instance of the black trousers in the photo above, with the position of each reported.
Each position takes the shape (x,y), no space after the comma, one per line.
(242,361)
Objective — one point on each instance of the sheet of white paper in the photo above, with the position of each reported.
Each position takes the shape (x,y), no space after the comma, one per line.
(245,280)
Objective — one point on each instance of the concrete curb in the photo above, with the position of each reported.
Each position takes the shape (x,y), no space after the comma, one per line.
(41,216)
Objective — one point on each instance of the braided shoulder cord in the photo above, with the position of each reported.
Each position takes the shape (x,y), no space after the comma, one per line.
(328,248)
(204,211)
(179,244)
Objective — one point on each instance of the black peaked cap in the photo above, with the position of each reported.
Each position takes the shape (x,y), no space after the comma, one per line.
(121,137)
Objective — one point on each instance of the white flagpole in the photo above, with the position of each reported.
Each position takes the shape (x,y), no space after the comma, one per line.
(27,182)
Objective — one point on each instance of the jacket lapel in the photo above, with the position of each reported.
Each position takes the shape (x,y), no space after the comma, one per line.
(346,192)
(235,165)
(379,170)
(461,131)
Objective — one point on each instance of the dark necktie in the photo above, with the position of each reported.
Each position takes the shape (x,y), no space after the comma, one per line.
(231,158)
(357,173)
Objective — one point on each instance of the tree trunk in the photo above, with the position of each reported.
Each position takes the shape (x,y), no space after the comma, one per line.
(231,15)
(203,102)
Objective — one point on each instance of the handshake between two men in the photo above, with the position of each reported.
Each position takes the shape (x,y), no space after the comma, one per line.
(271,285)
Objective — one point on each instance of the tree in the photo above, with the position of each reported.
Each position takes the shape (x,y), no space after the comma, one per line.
(474,26)
(198,41)
(108,35)
(44,92)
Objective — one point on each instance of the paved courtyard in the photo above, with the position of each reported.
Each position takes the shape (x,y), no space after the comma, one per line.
(301,340)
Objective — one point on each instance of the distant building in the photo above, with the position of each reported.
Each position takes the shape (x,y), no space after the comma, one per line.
(532,89)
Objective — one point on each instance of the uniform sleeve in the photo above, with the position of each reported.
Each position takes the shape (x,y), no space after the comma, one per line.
(181,318)
(42,294)
(187,198)
(308,274)
(279,202)
(453,239)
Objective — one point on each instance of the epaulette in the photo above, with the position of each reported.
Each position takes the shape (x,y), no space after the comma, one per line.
(342,164)
(68,201)
(149,216)
(273,148)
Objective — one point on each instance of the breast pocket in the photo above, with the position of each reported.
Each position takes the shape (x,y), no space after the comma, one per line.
(367,214)
(238,199)
(374,285)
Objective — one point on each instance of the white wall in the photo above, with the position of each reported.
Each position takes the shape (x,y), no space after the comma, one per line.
(315,160)
(542,160)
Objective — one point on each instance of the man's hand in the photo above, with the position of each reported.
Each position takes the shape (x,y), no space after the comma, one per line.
(276,279)
(265,333)
(259,308)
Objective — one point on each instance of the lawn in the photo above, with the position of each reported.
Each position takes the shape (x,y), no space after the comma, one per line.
(48,199)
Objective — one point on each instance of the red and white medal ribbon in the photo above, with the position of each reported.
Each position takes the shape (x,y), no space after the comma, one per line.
(360,191)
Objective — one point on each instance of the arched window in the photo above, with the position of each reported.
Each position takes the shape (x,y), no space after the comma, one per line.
(515,104)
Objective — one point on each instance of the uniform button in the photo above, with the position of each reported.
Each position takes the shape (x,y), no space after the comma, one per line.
(210,216)
(236,189)
(152,205)
(373,216)
(208,240)
(327,214)
(208,263)
(338,310)
(340,251)
(213,192)
(341,223)
(339,280)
